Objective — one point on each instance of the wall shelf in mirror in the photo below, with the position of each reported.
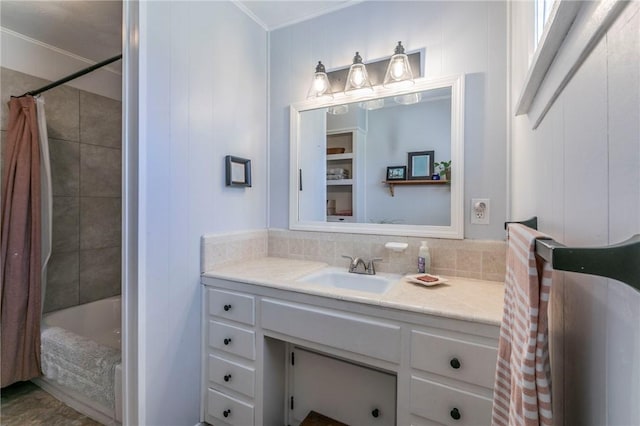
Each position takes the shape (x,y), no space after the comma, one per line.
(393,183)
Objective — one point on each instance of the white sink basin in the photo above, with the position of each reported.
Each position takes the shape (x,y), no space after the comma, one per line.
(340,278)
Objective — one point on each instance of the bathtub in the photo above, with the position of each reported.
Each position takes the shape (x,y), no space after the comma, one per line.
(95,322)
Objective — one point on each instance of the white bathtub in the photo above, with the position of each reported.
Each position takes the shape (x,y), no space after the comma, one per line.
(99,321)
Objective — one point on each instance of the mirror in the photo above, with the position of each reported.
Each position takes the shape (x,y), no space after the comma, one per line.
(367,164)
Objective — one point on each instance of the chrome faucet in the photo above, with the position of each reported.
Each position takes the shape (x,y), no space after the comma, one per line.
(368,268)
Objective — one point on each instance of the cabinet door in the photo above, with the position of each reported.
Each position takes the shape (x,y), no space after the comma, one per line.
(343,391)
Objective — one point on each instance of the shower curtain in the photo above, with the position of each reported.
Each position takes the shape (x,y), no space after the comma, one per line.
(21,244)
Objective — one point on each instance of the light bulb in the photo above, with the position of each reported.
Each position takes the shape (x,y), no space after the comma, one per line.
(397,69)
(357,77)
(320,84)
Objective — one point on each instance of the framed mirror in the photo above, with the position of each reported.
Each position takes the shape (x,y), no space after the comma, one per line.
(366,164)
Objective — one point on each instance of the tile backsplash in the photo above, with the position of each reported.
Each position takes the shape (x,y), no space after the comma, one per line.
(463,258)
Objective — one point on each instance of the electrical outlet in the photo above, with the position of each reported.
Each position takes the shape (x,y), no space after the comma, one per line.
(480,211)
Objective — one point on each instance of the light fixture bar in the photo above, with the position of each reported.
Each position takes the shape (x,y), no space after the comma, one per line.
(376,71)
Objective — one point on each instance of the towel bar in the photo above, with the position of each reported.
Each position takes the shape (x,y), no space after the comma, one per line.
(618,261)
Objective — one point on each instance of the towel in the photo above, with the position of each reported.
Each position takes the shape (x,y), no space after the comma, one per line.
(522,391)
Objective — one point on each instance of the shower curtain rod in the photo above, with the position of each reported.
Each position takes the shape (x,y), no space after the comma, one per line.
(72,76)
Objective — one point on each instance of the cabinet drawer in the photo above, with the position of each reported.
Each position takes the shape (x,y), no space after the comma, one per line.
(232,339)
(475,363)
(231,375)
(228,410)
(353,333)
(232,306)
(443,404)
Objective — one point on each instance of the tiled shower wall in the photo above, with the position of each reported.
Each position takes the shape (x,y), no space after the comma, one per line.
(84,132)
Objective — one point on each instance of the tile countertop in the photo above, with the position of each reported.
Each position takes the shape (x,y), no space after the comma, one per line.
(459,298)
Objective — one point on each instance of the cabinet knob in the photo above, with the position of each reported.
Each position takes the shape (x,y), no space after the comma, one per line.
(375,413)
(227,307)
(455,414)
(227,377)
(227,341)
(455,363)
(226,413)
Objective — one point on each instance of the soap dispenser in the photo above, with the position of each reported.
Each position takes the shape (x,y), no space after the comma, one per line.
(424,258)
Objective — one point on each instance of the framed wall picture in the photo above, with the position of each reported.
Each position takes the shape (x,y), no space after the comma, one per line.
(237,171)
(420,165)
(397,173)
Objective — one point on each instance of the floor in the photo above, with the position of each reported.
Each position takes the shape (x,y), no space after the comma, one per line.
(24,403)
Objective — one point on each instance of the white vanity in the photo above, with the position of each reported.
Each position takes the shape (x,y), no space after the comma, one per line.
(275,348)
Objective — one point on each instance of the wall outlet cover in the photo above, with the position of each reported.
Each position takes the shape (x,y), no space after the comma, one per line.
(480,211)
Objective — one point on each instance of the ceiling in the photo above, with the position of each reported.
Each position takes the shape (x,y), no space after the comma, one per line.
(92,28)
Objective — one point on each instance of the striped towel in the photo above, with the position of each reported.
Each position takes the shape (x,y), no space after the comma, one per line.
(522,392)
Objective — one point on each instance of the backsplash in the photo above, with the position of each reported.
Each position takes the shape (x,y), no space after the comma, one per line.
(462,258)
(218,249)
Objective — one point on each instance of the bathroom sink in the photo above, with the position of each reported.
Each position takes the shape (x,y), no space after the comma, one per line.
(339,278)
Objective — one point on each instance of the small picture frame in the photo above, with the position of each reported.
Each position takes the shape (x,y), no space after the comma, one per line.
(397,173)
(237,171)
(420,165)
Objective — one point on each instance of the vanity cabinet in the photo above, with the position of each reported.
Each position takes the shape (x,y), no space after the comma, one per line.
(229,353)
(292,352)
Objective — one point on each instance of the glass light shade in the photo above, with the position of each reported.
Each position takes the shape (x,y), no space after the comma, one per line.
(398,71)
(372,104)
(358,78)
(320,86)
(409,99)
(338,109)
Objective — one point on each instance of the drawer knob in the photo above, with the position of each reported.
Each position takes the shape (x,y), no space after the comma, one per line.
(227,377)
(226,413)
(455,414)
(227,307)
(455,363)
(375,413)
(227,341)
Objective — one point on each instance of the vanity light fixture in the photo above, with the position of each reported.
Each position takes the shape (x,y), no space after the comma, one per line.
(408,99)
(338,109)
(398,71)
(320,86)
(372,104)
(358,78)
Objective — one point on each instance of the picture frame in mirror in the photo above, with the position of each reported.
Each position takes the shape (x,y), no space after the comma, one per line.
(420,165)
(397,173)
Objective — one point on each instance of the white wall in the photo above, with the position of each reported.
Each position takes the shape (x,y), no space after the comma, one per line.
(29,56)
(459,37)
(202,96)
(579,172)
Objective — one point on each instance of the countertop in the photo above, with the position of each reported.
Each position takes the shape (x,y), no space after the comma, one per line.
(458,298)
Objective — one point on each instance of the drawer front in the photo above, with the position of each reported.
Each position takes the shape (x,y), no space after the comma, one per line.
(234,340)
(231,375)
(448,405)
(228,410)
(466,361)
(232,306)
(357,334)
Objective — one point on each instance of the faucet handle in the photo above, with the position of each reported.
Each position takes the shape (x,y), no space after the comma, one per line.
(371,267)
(351,266)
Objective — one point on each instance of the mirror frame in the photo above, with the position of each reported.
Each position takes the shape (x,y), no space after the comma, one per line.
(456,228)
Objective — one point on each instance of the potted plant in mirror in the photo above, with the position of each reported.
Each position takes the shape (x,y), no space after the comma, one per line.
(444,169)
